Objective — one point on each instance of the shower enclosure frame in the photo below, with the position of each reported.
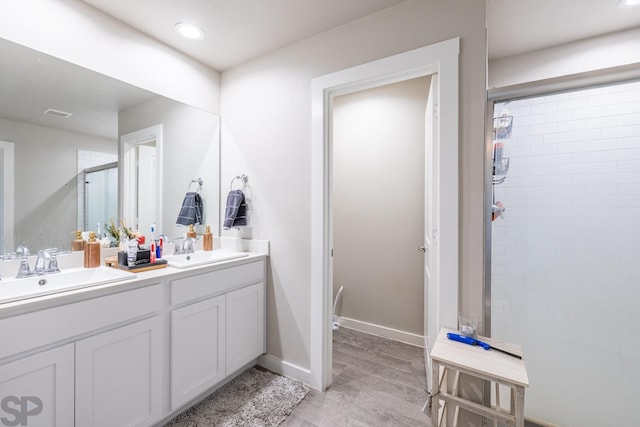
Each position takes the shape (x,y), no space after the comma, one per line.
(604,77)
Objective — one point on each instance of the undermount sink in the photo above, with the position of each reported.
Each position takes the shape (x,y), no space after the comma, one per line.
(202,258)
(12,289)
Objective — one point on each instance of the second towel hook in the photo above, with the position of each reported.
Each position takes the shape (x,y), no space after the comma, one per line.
(198,181)
(242,178)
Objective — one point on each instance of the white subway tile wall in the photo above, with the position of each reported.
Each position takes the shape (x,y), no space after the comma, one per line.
(566,257)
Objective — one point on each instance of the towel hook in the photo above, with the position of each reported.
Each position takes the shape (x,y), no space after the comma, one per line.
(198,181)
(243,178)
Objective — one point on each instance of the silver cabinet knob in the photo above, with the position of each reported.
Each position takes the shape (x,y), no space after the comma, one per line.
(422,248)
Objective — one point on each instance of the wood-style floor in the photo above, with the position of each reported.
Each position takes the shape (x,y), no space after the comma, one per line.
(376,382)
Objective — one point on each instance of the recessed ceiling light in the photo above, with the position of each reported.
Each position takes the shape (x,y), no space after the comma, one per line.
(629,3)
(189,31)
(57,113)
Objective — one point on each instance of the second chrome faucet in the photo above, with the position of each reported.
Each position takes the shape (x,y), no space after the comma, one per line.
(46,263)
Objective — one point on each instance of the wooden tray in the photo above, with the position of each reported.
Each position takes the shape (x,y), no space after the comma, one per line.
(113,262)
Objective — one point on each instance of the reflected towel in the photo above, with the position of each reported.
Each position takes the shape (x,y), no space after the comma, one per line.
(191,210)
(235,215)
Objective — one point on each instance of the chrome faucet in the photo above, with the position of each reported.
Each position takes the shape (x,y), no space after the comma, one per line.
(177,245)
(46,262)
(183,246)
(48,257)
(187,246)
(24,270)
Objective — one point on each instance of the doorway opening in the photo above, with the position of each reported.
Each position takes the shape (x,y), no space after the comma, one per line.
(378,169)
(442,294)
(141,178)
(100,195)
(7,150)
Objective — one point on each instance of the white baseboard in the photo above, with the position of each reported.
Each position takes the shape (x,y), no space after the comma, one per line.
(285,368)
(383,331)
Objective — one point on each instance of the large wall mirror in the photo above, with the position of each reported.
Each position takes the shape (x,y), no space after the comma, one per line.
(61,128)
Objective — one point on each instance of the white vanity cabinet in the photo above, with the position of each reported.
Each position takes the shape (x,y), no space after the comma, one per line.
(217,328)
(37,390)
(119,376)
(105,367)
(134,355)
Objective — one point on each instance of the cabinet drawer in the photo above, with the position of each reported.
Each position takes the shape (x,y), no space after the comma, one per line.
(32,330)
(215,282)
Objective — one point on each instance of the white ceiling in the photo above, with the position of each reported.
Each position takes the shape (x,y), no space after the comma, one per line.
(31,82)
(517,26)
(238,30)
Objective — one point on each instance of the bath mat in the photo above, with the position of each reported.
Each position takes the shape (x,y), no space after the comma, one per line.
(256,398)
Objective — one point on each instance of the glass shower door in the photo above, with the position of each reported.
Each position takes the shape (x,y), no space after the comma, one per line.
(101,197)
(565,252)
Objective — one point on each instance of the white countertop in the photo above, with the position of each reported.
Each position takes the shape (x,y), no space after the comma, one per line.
(143,278)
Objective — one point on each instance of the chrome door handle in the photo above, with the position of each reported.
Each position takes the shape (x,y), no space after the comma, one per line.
(422,248)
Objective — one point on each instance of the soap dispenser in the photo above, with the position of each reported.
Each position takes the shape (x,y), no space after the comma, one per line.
(92,252)
(78,243)
(207,239)
(192,232)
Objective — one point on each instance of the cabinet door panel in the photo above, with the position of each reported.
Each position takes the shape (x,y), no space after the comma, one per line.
(245,326)
(119,376)
(197,349)
(37,391)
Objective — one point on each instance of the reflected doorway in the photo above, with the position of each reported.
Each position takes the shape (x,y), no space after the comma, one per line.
(141,178)
(6,196)
(101,196)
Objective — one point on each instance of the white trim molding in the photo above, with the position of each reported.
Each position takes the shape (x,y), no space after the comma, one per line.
(285,368)
(382,331)
(7,192)
(440,58)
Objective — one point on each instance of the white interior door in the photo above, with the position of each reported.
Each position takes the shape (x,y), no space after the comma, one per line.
(140,178)
(6,196)
(146,202)
(431,223)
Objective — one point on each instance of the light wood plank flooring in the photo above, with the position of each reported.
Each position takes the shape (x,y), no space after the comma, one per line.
(376,382)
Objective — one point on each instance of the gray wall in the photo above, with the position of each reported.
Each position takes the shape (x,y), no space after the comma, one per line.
(378,210)
(45,200)
(266,113)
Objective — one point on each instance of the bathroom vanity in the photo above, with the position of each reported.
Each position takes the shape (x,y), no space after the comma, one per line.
(132,353)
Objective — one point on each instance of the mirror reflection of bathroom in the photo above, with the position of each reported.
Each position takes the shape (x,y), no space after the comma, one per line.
(49,205)
(100,196)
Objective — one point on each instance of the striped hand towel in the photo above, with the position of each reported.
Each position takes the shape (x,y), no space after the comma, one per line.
(235,214)
(191,210)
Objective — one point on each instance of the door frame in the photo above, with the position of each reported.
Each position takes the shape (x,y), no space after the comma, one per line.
(127,173)
(7,150)
(442,59)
